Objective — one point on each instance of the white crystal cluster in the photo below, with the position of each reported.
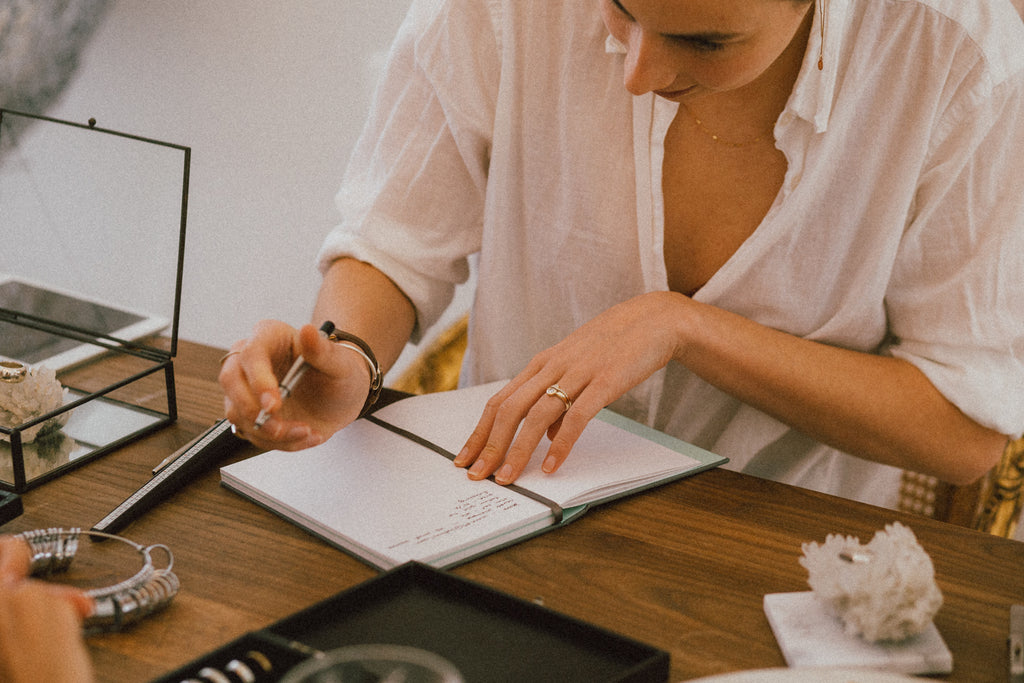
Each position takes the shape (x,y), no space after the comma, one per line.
(882,591)
(38,394)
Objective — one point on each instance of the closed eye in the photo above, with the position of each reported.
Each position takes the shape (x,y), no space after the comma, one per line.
(700,44)
(711,41)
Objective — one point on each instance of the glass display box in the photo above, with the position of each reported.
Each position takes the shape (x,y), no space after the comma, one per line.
(91,267)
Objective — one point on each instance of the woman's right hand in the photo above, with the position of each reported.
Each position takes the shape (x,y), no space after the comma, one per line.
(40,623)
(329,396)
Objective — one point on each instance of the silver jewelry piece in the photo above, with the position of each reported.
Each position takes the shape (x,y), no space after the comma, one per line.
(120,604)
(243,672)
(556,391)
(227,355)
(12,372)
(213,675)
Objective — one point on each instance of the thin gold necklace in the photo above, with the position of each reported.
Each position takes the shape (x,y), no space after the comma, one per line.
(714,136)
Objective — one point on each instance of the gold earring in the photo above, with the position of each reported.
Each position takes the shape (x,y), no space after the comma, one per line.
(822,20)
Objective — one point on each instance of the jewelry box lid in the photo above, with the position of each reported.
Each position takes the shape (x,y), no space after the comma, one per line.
(93,240)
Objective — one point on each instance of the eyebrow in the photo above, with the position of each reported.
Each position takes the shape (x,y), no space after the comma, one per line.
(700,36)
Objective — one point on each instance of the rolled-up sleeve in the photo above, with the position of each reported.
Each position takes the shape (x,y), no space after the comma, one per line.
(956,300)
(411,202)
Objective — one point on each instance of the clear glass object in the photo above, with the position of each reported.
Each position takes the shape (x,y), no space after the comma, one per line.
(90,286)
(375,664)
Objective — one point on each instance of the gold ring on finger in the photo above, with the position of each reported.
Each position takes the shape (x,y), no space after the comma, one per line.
(556,391)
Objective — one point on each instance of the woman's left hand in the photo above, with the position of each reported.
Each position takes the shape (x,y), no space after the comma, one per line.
(593,366)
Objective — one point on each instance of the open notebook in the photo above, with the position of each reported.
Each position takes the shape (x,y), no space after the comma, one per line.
(376,492)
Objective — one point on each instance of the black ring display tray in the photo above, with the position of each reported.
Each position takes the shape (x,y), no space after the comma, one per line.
(486,634)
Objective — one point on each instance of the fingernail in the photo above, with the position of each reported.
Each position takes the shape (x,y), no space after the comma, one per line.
(478,468)
(266,400)
(504,475)
(85,605)
(298,434)
(550,463)
(460,459)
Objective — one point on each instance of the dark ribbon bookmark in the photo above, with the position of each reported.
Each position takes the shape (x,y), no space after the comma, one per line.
(416,438)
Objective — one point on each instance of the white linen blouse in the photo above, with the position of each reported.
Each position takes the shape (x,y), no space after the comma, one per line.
(502,128)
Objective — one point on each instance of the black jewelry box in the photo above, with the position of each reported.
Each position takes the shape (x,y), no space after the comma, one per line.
(90,289)
(486,634)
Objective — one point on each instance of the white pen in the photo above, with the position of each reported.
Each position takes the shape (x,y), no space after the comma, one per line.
(292,377)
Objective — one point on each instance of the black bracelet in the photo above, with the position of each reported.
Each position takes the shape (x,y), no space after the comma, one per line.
(353,342)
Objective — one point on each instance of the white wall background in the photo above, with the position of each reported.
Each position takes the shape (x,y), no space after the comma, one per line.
(270,96)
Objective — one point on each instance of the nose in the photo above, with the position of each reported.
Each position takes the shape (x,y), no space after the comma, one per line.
(647,66)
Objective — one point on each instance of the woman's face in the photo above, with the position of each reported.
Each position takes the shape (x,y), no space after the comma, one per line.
(679,48)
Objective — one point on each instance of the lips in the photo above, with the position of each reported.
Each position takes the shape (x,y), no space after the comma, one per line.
(673,94)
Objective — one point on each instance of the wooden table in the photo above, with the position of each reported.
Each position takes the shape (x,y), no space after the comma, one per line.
(683,567)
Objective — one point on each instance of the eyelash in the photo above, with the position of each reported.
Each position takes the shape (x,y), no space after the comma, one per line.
(703,45)
(619,8)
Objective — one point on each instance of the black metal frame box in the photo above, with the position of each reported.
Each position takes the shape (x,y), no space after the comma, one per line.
(90,282)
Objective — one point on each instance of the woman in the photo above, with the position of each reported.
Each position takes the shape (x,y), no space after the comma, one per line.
(793,238)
